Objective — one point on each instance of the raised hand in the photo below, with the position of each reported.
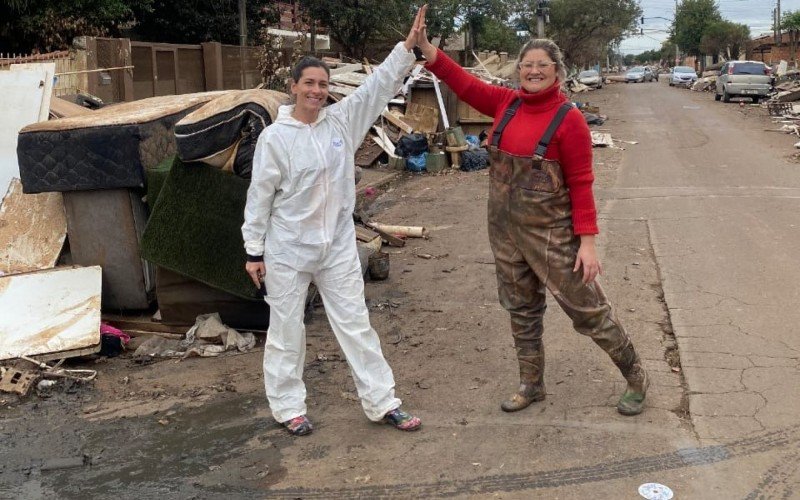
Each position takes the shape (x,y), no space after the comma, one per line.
(427,48)
(417,27)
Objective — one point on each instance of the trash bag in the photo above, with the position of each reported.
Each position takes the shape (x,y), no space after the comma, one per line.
(593,119)
(474,160)
(411,145)
(416,163)
(473,142)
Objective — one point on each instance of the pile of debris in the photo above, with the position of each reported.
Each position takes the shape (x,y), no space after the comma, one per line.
(140,203)
(707,82)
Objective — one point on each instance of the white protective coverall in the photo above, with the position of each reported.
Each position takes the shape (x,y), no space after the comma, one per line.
(299,215)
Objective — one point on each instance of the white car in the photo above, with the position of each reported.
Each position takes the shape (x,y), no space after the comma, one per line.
(591,78)
(682,75)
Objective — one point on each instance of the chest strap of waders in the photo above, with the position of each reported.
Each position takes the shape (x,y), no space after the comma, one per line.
(511,110)
(541,148)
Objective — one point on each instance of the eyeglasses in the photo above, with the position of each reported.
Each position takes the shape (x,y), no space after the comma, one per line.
(540,65)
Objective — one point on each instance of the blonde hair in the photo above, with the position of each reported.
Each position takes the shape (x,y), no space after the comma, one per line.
(553,52)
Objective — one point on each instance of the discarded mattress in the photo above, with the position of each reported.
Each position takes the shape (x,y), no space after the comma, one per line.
(194,228)
(107,149)
(223,132)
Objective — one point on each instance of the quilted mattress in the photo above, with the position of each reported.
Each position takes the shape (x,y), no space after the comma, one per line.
(223,132)
(107,149)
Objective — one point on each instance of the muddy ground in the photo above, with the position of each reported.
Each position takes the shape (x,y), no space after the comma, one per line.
(200,428)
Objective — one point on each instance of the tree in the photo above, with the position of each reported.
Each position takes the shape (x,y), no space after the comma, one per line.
(791,23)
(692,20)
(197,21)
(496,35)
(724,37)
(355,23)
(583,29)
(47,25)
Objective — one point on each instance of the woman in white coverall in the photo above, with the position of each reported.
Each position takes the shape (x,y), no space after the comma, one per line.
(298,227)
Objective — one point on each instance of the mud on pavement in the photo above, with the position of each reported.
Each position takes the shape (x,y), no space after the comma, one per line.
(200,428)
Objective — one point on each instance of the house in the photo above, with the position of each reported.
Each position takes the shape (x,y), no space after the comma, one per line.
(763,48)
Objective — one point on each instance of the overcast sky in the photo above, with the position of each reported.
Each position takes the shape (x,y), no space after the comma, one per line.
(757,14)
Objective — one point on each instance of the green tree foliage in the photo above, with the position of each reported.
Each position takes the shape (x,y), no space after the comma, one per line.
(724,37)
(356,23)
(584,29)
(499,36)
(649,56)
(790,21)
(47,25)
(197,21)
(692,20)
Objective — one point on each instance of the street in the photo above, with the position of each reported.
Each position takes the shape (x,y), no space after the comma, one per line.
(698,228)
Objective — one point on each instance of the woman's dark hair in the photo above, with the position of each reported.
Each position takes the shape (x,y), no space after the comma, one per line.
(308,62)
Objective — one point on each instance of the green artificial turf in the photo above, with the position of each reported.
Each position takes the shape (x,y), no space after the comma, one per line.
(195,227)
(155,180)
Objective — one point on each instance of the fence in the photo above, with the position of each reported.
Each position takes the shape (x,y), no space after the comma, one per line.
(118,69)
(66,78)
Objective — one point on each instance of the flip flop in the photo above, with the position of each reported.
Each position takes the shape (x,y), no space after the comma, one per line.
(399,419)
(299,426)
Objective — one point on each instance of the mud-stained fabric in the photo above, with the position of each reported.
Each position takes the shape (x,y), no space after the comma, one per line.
(530,231)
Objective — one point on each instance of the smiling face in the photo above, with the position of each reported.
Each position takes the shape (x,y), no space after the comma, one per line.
(310,91)
(537,71)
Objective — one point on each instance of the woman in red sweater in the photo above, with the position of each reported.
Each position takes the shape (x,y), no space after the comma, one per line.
(542,217)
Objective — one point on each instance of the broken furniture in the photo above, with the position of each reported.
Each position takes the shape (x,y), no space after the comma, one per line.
(98,160)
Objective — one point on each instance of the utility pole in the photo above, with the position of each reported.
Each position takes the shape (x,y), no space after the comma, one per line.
(242,40)
(778,23)
(542,16)
(243,22)
(677,49)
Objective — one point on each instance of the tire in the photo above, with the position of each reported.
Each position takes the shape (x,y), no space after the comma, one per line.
(671,84)
(756,98)
(726,97)
(717,97)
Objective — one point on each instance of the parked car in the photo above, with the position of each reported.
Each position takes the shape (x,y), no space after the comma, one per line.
(682,75)
(743,78)
(591,78)
(639,74)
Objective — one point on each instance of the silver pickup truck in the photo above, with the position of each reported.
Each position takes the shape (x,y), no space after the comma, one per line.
(743,79)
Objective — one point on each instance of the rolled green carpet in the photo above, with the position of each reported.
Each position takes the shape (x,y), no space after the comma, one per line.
(195,226)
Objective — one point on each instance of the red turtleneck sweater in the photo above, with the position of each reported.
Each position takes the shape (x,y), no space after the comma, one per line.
(571,145)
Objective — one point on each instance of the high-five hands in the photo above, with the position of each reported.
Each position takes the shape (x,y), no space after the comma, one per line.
(418,36)
(417,27)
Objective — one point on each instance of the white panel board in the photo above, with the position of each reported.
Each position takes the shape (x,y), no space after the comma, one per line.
(49,81)
(21,95)
(49,311)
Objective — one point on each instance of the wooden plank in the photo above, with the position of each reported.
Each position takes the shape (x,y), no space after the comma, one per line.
(347,68)
(397,122)
(368,152)
(341,89)
(51,311)
(33,228)
(422,118)
(383,140)
(61,108)
(354,79)
(364,234)
(143,324)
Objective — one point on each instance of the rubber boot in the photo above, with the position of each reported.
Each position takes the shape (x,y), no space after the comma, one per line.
(630,365)
(531,378)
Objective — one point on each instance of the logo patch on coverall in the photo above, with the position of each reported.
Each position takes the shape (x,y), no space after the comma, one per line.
(337,142)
